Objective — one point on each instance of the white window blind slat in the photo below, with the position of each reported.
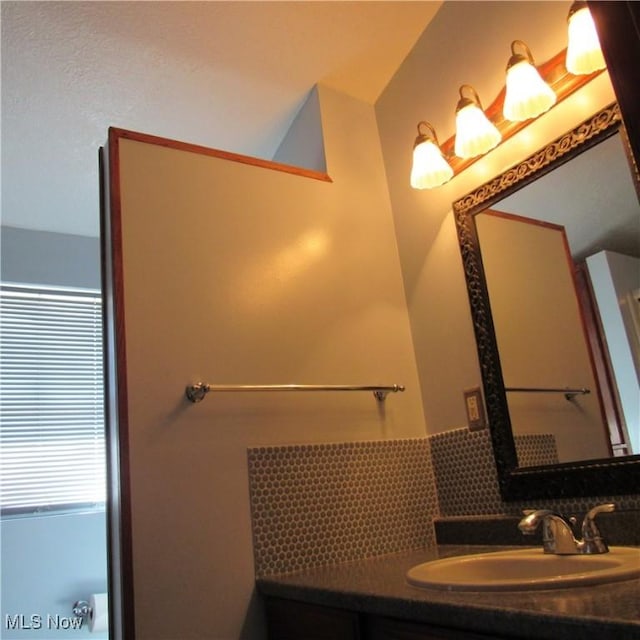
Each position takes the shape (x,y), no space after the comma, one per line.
(52,449)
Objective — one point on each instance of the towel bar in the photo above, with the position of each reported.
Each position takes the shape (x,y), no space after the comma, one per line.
(196,392)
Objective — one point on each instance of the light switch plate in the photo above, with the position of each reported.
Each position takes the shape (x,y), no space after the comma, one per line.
(475,409)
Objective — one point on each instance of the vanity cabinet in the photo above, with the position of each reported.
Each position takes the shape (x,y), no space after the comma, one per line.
(293,620)
(378,628)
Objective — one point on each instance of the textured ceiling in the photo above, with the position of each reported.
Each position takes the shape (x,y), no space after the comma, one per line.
(230,75)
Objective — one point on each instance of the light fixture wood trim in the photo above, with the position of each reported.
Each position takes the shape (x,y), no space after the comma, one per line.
(555,73)
(219,153)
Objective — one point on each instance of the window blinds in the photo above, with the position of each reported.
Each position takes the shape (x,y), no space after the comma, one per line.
(52,452)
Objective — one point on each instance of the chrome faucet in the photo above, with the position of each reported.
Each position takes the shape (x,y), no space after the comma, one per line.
(557,532)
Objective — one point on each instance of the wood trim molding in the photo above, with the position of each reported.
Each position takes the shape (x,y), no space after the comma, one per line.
(125,134)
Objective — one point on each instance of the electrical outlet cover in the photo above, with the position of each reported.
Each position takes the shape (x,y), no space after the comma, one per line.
(475,409)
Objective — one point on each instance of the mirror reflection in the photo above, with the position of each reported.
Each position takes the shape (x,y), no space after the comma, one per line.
(561,258)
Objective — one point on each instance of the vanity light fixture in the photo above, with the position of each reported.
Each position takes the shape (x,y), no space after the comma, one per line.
(429,169)
(584,54)
(475,133)
(527,94)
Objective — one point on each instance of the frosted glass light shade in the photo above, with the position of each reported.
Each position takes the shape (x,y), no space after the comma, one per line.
(475,133)
(429,169)
(527,94)
(584,54)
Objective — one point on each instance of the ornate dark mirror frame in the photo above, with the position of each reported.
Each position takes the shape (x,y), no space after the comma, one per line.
(588,478)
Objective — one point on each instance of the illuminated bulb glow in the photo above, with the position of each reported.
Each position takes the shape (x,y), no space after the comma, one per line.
(429,169)
(527,95)
(475,133)
(584,54)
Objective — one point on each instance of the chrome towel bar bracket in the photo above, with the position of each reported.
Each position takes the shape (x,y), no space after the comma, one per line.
(196,392)
(82,609)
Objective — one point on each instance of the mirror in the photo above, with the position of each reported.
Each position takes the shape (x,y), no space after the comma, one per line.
(531,244)
(522,395)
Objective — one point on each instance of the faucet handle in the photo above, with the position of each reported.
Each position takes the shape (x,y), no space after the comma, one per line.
(608,507)
(532,518)
(591,537)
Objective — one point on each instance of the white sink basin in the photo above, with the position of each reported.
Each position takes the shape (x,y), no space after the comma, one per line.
(524,569)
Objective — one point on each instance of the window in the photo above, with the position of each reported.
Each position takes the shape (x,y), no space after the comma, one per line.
(52,453)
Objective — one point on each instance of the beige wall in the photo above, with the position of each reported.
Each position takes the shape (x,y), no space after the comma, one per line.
(236,274)
(467,42)
(540,334)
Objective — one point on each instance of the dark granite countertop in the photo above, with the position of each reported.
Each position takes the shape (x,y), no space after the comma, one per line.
(378,586)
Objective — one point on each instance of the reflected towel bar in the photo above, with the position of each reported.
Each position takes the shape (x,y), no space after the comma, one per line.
(569,394)
(197,392)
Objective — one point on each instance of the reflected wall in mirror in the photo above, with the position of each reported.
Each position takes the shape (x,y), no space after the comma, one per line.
(542,245)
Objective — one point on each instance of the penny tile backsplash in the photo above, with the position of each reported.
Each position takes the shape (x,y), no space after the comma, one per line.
(321,504)
(467,481)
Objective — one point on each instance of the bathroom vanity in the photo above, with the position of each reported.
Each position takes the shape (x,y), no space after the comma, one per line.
(371,600)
